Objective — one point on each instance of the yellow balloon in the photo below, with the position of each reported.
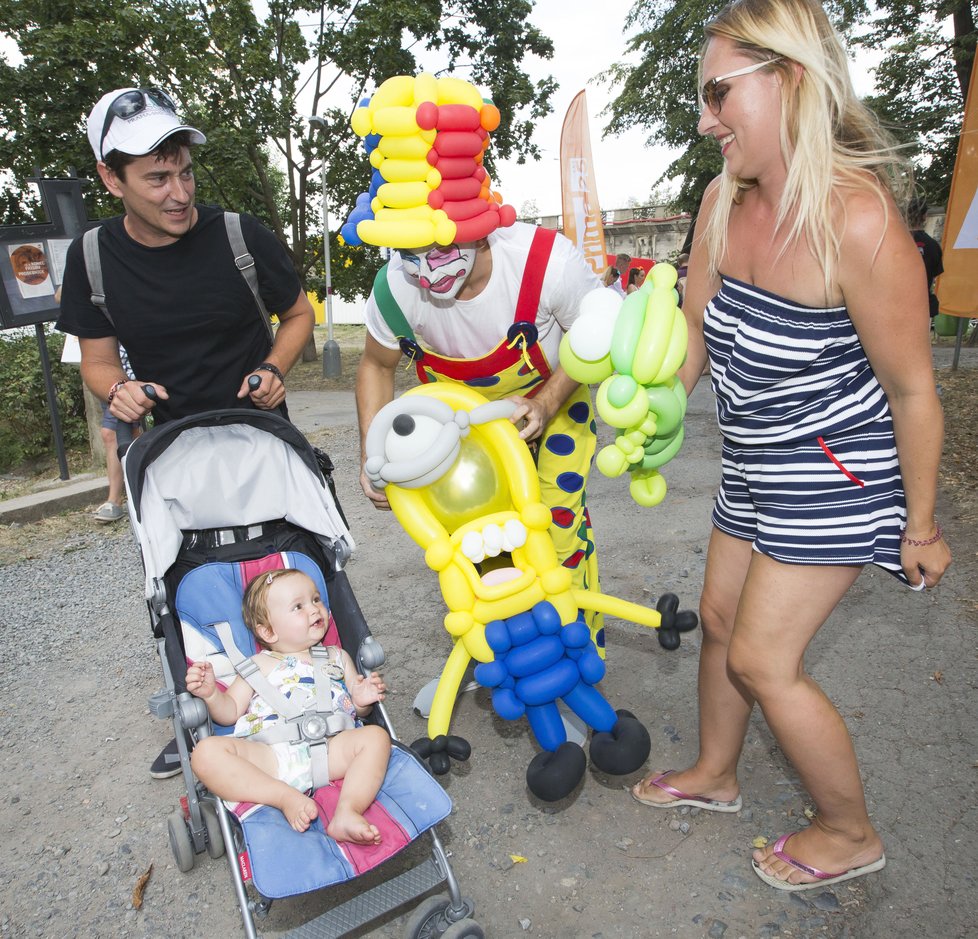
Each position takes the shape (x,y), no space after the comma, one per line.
(475,486)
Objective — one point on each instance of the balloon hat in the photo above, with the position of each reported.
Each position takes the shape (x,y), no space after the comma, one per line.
(426,138)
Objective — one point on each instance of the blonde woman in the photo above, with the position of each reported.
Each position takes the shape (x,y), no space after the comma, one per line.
(805,290)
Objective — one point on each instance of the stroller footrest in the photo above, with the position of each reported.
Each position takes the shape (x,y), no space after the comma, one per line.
(372,904)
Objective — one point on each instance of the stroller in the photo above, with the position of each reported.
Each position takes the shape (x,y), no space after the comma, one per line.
(214,500)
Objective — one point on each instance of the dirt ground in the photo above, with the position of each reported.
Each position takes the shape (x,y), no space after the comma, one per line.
(81,830)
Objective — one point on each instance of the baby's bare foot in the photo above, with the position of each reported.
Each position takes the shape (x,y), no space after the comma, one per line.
(299,810)
(347,825)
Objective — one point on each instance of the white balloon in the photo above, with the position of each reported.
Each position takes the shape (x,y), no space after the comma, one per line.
(472,546)
(492,538)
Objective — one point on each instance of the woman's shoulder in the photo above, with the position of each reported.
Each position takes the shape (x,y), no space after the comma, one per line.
(865,216)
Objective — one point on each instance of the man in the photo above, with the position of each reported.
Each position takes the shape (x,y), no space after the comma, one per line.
(930,250)
(174,297)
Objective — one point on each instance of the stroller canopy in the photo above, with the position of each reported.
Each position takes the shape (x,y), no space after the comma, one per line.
(224,469)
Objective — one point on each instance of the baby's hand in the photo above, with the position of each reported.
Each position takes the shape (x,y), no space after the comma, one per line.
(200,679)
(368,690)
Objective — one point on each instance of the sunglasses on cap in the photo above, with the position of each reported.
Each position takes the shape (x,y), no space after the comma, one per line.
(132,102)
(712,97)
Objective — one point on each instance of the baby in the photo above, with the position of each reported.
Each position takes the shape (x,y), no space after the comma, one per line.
(287,616)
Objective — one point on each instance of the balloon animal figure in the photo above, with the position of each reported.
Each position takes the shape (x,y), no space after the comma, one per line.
(634,348)
(464,487)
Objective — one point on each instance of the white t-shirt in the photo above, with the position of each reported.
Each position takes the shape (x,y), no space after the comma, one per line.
(468,329)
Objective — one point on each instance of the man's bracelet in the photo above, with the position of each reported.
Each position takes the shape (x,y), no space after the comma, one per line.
(114,389)
(274,369)
(923,544)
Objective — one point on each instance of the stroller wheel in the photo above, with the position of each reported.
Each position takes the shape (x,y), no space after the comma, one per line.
(429,921)
(215,837)
(180,843)
(464,929)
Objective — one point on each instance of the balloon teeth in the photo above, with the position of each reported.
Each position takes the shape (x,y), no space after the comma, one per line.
(493,540)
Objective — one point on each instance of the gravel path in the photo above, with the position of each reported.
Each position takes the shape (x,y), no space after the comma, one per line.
(81,820)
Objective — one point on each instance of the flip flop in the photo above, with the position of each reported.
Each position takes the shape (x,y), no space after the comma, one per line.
(824,879)
(684,798)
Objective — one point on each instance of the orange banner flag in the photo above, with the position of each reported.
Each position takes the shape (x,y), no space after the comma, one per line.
(957,287)
(579,193)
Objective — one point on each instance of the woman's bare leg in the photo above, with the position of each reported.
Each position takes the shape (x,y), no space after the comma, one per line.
(724,706)
(782,607)
(245,771)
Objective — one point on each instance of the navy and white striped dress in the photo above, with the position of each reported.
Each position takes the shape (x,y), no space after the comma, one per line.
(810,470)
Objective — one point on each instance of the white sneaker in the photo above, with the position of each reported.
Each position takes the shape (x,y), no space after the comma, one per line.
(109,512)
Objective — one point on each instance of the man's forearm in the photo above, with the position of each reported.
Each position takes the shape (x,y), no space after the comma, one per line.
(291,338)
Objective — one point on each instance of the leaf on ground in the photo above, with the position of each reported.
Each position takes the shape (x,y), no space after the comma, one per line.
(140,888)
(938,676)
(517,858)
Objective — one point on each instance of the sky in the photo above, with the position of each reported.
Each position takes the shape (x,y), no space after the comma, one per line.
(587,41)
(585,44)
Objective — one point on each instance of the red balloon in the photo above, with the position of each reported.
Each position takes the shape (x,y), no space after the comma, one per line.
(454,167)
(457,143)
(458,189)
(458,117)
(427,115)
(468,208)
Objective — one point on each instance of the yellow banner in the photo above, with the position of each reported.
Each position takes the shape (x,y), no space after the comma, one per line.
(957,287)
(579,192)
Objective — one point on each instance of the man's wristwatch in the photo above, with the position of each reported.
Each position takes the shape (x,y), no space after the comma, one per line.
(274,369)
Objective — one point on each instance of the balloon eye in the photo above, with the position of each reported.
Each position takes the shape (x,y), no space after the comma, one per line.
(411,436)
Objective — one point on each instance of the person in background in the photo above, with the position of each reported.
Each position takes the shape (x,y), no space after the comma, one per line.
(111,510)
(636,277)
(930,250)
(682,270)
(804,292)
(612,278)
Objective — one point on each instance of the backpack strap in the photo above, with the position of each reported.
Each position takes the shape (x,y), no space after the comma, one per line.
(245,263)
(93,267)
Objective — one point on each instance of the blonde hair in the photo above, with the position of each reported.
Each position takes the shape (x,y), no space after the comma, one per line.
(829,139)
(254,606)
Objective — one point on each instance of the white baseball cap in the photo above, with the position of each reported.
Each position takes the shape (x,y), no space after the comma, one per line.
(135,121)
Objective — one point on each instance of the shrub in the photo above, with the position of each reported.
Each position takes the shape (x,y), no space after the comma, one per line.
(25,422)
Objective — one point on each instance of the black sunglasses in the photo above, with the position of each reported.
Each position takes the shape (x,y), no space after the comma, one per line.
(132,102)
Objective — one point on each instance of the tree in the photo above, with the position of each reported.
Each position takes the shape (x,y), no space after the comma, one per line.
(921,80)
(247,81)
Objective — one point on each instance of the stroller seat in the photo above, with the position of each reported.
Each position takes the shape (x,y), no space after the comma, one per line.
(281,861)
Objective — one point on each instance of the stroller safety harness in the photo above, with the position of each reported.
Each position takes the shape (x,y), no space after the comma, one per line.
(294,725)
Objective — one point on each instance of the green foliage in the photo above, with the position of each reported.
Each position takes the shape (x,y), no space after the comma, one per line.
(25,422)
(241,79)
(930,47)
(922,80)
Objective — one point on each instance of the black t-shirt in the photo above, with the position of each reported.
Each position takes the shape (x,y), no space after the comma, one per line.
(183,312)
(933,257)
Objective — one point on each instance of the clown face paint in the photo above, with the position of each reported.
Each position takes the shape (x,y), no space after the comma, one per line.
(442,270)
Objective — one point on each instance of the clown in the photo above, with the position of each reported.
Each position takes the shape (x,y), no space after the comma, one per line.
(470,296)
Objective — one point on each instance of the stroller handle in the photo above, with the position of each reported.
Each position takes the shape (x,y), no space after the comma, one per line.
(123,431)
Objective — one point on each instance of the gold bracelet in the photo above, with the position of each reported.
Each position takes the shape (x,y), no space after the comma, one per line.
(923,544)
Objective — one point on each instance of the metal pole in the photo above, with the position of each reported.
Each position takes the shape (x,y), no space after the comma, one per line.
(52,394)
(332,365)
